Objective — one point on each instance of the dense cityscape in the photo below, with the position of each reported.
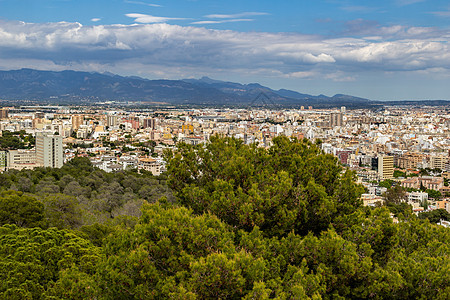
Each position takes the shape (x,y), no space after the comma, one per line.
(255,150)
(408,146)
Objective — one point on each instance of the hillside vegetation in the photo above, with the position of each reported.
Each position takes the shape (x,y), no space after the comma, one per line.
(227,221)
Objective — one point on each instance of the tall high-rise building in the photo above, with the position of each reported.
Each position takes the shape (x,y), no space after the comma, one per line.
(112,121)
(4,113)
(49,150)
(77,120)
(336,119)
(385,167)
(150,123)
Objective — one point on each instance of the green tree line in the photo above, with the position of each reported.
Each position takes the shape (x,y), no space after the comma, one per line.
(245,223)
(16,140)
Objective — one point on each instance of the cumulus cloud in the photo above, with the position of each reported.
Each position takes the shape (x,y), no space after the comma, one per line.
(95,19)
(361,27)
(189,50)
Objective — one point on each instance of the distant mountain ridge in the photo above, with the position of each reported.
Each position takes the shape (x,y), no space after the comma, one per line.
(250,91)
(72,86)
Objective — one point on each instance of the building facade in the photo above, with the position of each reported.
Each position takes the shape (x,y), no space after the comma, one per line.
(149,164)
(385,167)
(336,119)
(77,121)
(49,150)
(3,158)
(21,159)
(4,113)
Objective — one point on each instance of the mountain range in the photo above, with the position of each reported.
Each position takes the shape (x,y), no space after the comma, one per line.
(72,86)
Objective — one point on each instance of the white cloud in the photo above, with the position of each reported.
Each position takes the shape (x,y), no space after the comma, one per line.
(235,16)
(142,3)
(221,21)
(190,50)
(303,74)
(444,13)
(95,19)
(407,2)
(148,19)
(359,8)
(340,77)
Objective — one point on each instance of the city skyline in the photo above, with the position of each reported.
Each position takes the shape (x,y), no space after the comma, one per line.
(389,50)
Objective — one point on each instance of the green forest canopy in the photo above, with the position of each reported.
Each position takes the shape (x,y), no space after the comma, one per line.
(234,221)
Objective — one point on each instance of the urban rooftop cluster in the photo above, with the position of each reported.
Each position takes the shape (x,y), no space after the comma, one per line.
(404,146)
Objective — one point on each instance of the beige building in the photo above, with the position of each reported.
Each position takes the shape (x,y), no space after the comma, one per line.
(3,159)
(336,119)
(4,113)
(438,161)
(21,159)
(411,160)
(112,121)
(429,182)
(77,121)
(371,200)
(149,164)
(385,167)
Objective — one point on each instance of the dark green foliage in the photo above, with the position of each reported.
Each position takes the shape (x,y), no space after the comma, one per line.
(96,233)
(11,141)
(16,140)
(398,173)
(433,194)
(79,194)
(435,216)
(395,195)
(173,253)
(21,210)
(62,211)
(278,223)
(31,260)
(401,209)
(290,186)
(158,250)
(388,183)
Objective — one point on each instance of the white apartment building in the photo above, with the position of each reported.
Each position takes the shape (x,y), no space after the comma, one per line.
(417,197)
(49,150)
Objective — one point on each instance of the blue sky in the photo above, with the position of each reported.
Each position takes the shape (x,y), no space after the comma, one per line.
(384,50)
